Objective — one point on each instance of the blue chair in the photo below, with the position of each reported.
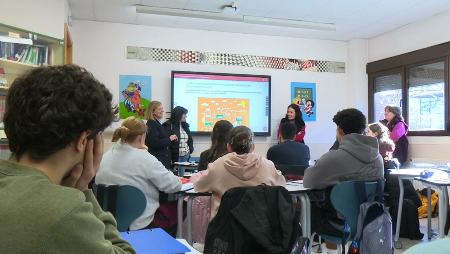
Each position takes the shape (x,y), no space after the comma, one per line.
(125,202)
(345,199)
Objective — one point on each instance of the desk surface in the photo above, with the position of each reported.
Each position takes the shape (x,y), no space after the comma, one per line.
(292,187)
(412,172)
(440,181)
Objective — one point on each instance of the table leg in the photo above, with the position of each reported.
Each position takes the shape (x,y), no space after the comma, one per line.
(306,215)
(397,243)
(445,191)
(429,212)
(443,202)
(189,220)
(180,217)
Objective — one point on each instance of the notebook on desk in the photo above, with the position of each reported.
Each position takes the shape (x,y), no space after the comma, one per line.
(153,241)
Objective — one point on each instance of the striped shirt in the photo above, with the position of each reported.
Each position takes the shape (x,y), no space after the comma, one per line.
(184,147)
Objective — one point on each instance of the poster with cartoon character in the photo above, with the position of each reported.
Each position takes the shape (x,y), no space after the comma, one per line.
(304,95)
(134,95)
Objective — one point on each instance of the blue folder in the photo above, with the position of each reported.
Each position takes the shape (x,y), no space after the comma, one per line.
(154,241)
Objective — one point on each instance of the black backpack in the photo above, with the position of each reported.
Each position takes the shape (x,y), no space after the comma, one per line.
(260,219)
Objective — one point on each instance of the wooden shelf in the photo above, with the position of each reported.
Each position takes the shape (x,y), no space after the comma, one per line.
(15,67)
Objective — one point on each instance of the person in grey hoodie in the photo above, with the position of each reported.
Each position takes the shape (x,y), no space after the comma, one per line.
(356,158)
(240,167)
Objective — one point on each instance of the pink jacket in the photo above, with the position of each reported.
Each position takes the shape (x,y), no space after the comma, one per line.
(235,170)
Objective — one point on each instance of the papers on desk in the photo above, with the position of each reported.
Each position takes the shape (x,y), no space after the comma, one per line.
(185,163)
(153,241)
(187,186)
(295,182)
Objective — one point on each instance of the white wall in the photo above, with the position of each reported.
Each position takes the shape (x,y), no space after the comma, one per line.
(100,47)
(418,35)
(41,16)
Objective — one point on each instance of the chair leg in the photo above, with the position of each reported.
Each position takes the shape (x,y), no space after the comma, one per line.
(319,249)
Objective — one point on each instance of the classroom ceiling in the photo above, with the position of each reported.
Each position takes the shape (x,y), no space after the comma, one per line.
(354,19)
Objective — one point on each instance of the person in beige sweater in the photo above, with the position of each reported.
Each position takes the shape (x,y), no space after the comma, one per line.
(54,121)
(240,167)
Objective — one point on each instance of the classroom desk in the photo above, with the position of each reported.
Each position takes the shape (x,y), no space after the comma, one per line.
(440,180)
(296,189)
(190,166)
(402,174)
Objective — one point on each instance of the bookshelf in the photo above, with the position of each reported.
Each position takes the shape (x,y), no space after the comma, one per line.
(22,50)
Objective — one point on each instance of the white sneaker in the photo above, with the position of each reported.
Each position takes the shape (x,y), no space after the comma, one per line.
(198,246)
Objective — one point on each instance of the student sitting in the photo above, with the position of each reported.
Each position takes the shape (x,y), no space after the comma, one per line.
(219,139)
(289,152)
(129,163)
(201,206)
(385,143)
(54,121)
(240,167)
(357,158)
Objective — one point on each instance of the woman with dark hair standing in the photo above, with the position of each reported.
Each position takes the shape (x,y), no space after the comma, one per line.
(294,115)
(219,138)
(398,128)
(181,147)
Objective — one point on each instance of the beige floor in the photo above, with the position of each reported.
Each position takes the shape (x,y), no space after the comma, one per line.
(409,243)
(405,242)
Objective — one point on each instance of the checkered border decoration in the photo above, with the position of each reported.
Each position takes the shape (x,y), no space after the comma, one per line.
(196,57)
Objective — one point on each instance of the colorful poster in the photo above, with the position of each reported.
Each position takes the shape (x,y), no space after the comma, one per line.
(304,94)
(135,94)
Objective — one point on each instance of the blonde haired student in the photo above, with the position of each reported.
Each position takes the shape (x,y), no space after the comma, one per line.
(129,163)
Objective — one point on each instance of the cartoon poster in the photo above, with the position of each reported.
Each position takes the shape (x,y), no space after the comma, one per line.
(134,95)
(304,94)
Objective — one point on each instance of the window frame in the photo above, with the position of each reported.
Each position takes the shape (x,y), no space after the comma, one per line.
(402,64)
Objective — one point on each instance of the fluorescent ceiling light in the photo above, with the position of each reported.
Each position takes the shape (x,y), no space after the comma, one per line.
(16,40)
(235,18)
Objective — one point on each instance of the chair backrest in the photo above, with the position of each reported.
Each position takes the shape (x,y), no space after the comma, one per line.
(125,202)
(298,170)
(236,229)
(345,199)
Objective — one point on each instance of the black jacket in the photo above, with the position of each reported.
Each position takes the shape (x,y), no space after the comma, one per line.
(158,143)
(258,219)
(289,153)
(174,129)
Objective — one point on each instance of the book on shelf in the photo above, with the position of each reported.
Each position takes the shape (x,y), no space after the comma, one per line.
(28,54)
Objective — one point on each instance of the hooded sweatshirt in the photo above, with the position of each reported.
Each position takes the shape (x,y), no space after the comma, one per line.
(357,158)
(235,170)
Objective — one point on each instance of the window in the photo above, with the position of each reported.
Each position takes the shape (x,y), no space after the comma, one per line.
(417,82)
(388,91)
(426,96)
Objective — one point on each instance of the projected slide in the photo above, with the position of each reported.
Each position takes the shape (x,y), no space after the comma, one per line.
(210,97)
(211,110)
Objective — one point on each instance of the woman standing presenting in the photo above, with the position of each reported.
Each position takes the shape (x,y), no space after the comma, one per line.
(394,121)
(181,147)
(294,115)
(158,140)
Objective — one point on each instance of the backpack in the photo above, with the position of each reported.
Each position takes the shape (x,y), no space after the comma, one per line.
(374,231)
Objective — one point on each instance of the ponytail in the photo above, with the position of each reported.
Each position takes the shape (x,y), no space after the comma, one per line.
(121,133)
(130,129)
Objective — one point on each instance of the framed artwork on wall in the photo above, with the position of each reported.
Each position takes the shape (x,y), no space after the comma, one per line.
(304,95)
(134,95)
